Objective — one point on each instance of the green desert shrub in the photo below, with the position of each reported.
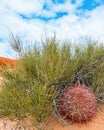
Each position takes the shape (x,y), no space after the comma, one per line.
(43,73)
(22,96)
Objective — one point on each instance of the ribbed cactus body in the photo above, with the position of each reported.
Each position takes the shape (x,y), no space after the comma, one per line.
(78,103)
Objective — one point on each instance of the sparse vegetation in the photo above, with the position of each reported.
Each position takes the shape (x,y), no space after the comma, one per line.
(42,74)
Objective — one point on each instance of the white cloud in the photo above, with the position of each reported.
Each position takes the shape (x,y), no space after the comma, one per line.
(69,26)
(93,26)
(24,6)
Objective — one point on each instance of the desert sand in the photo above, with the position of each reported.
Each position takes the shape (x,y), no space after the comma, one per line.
(97,123)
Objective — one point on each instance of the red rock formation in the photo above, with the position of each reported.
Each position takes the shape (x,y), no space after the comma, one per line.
(9,63)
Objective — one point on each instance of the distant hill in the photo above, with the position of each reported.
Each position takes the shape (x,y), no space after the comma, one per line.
(6,62)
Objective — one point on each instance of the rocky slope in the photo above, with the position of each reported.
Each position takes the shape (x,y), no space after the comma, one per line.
(9,63)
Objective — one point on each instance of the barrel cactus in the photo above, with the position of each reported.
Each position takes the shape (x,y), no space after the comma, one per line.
(78,103)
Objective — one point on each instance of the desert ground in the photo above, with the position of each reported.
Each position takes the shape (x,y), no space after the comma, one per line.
(53,124)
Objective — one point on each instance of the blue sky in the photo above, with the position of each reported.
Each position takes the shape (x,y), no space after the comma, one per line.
(70,19)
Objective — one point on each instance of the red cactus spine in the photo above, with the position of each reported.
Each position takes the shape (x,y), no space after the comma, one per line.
(78,103)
